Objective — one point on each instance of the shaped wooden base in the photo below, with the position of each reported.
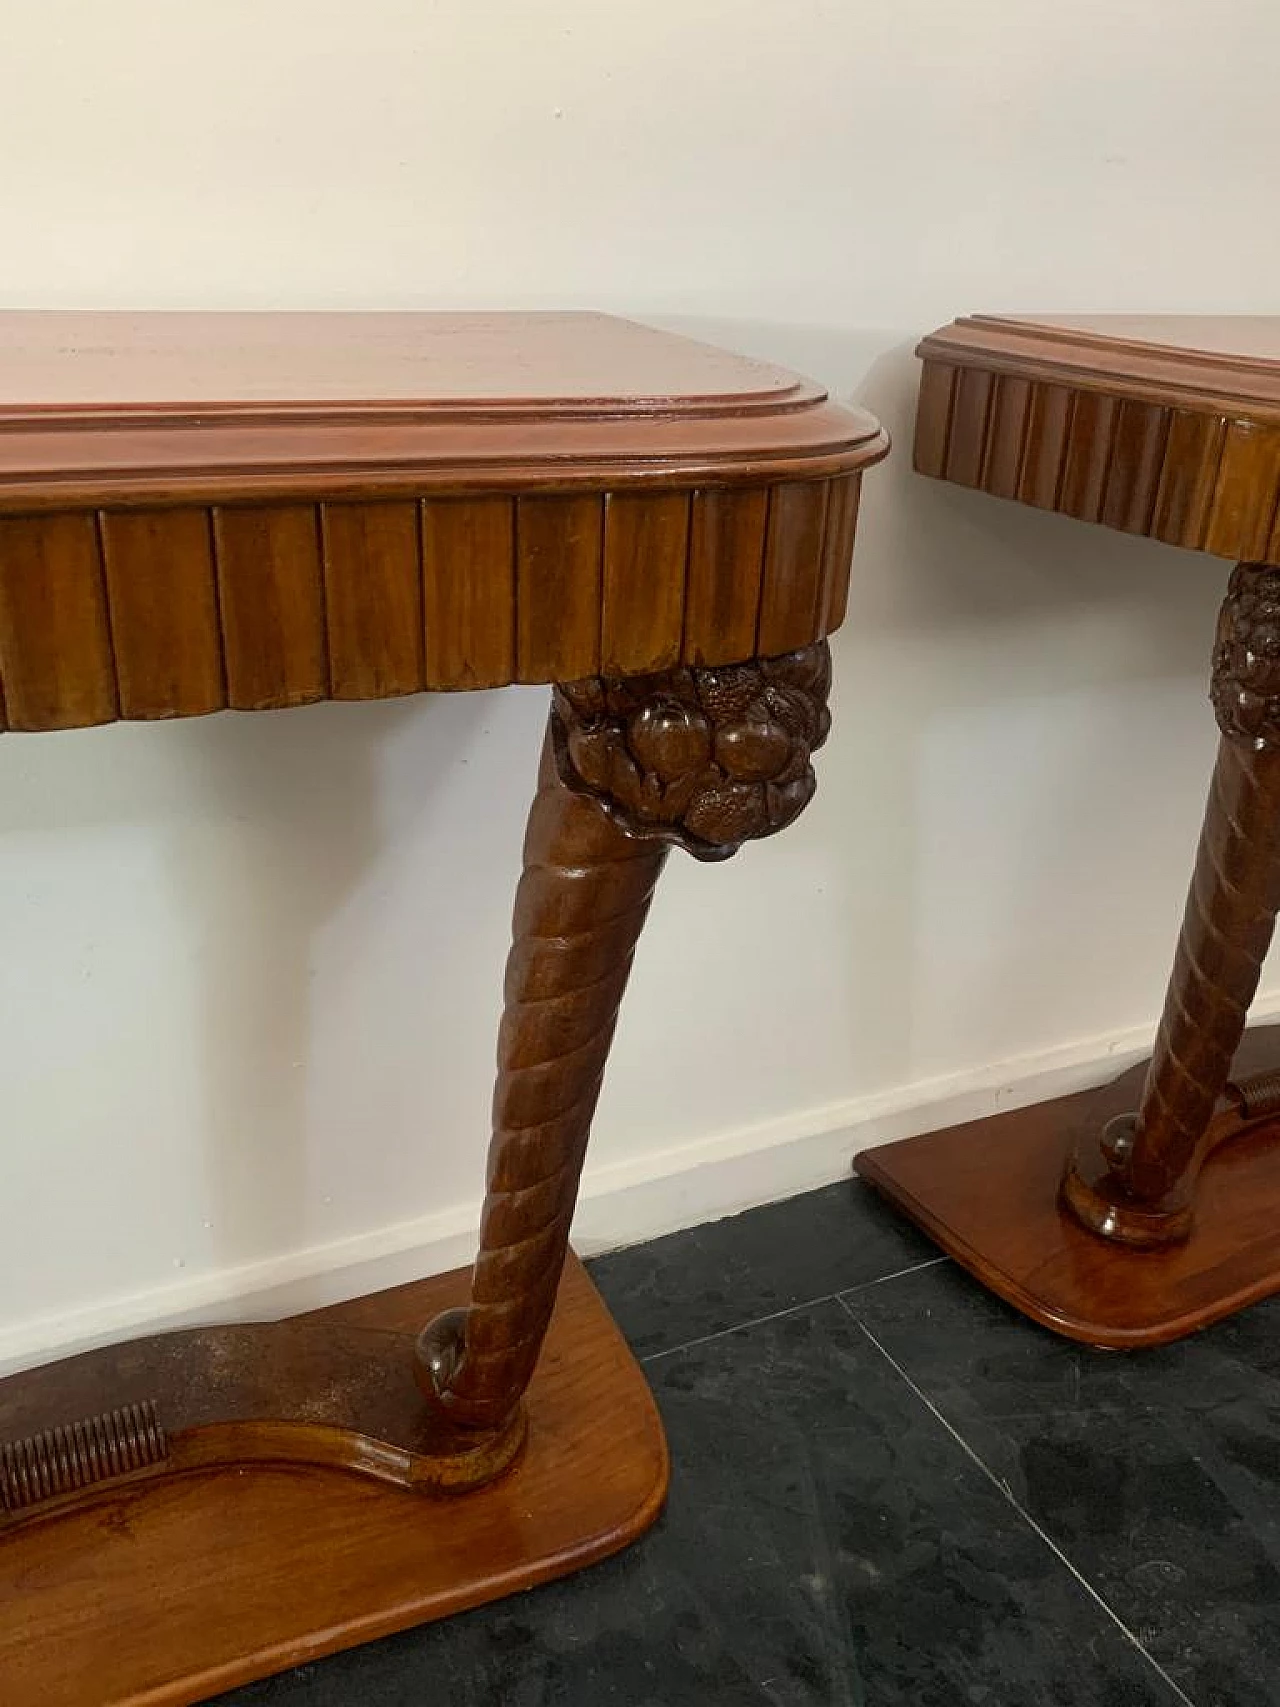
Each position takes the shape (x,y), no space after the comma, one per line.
(189,1580)
(987,1192)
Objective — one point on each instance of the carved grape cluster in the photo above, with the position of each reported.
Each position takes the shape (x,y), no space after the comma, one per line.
(1246,658)
(708,758)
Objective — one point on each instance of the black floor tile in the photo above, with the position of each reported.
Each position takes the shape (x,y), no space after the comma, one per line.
(1157,1472)
(680,1288)
(827,1544)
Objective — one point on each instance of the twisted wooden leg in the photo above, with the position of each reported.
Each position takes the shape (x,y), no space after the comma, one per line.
(702,758)
(1135,1183)
(581,903)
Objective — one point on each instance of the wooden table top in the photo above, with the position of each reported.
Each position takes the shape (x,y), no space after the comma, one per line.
(256,510)
(1166,425)
(171,405)
(55,359)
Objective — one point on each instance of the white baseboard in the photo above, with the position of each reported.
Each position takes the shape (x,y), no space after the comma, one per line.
(621,1204)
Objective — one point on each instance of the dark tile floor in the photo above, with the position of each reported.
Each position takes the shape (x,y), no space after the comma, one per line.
(890,1491)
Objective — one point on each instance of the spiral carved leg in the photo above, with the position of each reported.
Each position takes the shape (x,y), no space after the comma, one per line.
(581,903)
(701,758)
(1135,1183)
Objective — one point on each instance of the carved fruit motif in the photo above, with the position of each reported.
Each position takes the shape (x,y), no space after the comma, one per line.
(1246,658)
(708,758)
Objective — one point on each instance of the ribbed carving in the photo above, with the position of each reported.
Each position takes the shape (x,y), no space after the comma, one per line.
(1136,1184)
(60,1460)
(703,759)
(1226,932)
(176,612)
(1258,1097)
(579,909)
(1199,480)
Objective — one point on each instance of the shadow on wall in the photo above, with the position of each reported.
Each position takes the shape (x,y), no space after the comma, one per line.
(998,662)
(1077,658)
(968,618)
(267,823)
(936,561)
(288,864)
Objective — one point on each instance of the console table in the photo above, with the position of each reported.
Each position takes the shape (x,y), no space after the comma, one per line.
(1134,1214)
(202,512)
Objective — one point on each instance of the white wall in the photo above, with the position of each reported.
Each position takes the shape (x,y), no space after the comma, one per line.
(251,964)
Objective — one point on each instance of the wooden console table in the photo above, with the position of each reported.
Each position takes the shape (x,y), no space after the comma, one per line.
(200,512)
(1137,1213)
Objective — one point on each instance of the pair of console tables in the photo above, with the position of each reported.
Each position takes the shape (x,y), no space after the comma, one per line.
(254,511)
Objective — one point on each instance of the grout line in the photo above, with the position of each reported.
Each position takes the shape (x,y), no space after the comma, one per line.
(898,1274)
(754,1322)
(776,1315)
(1021,1510)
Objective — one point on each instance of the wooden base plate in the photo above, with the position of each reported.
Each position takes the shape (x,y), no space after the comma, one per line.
(987,1192)
(169,1591)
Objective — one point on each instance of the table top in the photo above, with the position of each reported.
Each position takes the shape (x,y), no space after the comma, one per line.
(200,511)
(179,361)
(171,405)
(1165,425)
(1249,337)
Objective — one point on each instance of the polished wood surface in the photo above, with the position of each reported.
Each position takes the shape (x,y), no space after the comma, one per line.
(255,511)
(96,408)
(53,361)
(199,512)
(987,1191)
(699,759)
(1127,426)
(166,1593)
(1168,427)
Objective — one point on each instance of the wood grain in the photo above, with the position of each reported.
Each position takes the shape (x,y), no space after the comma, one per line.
(1139,445)
(1006,437)
(582,901)
(271,590)
(837,551)
(85,1633)
(56,661)
(646,552)
(791,603)
(265,605)
(373,599)
(933,418)
(105,410)
(970,420)
(262,511)
(987,1193)
(1086,457)
(702,760)
(1245,492)
(1049,410)
(163,600)
(469,592)
(1179,444)
(559,586)
(726,563)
